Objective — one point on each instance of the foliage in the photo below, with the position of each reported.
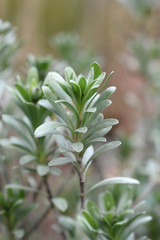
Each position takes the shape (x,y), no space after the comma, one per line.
(12,211)
(8,44)
(113,218)
(61,122)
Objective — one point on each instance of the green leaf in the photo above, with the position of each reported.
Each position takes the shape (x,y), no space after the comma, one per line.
(81,130)
(77,90)
(60,161)
(90,110)
(33,76)
(92,209)
(60,203)
(68,224)
(70,74)
(53,76)
(114,180)
(25,188)
(87,154)
(139,222)
(58,109)
(89,94)
(27,159)
(97,69)
(108,201)
(55,171)
(42,170)
(24,93)
(77,147)
(100,107)
(105,148)
(20,126)
(90,220)
(47,128)
(46,104)
(106,94)
(106,81)
(82,83)
(70,107)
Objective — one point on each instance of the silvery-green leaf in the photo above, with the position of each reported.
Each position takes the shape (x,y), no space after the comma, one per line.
(105,148)
(42,170)
(115,180)
(27,159)
(81,130)
(60,161)
(25,188)
(60,203)
(77,147)
(55,171)
(47,128)
(87,154)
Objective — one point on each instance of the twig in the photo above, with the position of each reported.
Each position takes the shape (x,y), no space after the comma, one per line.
(56,214)
(82,183)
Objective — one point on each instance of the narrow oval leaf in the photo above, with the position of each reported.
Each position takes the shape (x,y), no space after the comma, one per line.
(91,110)
(60,161)
(97,69)
(77,147)
(90,220)
(105,148)
(27,159)
(81,130)
(82,83)
(115,180)
(60,203)
(70,107)
(47,128)
(42,170)
(25,188)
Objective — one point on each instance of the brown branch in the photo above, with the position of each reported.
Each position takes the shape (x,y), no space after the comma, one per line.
(55,213)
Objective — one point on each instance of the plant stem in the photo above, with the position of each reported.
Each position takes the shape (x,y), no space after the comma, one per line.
(56,214)
(82,183)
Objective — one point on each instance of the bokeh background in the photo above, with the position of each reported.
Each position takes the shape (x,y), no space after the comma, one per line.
(123,36)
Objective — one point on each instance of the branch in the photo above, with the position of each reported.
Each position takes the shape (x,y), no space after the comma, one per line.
(56,214)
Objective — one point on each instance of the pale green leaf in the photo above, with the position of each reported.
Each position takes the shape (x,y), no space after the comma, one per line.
(105,148)
(114,180)
(77,147)
(81,130)
(42,170)
(47,128)
(60,161)
(27,159)
(60,203)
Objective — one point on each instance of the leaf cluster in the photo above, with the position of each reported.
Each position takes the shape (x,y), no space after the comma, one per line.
(113,219)
(77,103)
(12,210)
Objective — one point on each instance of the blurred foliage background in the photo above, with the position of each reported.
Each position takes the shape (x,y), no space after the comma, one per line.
(105,27)
(125,37)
